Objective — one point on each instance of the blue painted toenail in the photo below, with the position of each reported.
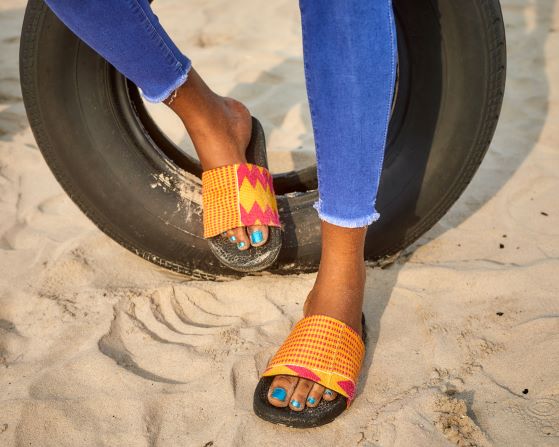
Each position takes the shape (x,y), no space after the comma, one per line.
(240,245)
(232,238)
(295,403)
(257,237)
(329,392)
(311,400)
(279,394)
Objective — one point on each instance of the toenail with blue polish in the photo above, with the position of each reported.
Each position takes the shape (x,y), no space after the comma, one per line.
(311,400)
(240,245)
(232,238)
(328,392)
(257,237)
(279,394)
(295,403)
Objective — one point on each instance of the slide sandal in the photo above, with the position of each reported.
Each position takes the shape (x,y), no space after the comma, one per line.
(322,349)
(242,195)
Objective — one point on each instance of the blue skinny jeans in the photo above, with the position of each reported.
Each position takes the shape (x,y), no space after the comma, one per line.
(350,55)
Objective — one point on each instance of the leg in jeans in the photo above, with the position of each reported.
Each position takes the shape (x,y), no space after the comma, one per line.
(350,66)
(128,34)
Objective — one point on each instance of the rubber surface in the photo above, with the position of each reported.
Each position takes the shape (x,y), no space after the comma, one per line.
(120,169)
(324,413)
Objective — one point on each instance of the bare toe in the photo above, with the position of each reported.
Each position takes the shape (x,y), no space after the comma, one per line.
(232,236)
(281,389)
(258,235)
(329,395)
(299,396)
(315,395)
(239,237)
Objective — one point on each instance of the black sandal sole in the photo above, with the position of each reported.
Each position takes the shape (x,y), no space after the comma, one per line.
(323,413)
(255,258)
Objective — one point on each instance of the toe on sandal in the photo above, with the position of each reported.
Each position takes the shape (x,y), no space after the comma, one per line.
(322,349)
(242,195)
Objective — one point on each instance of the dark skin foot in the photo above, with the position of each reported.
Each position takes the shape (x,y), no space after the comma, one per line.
(338,293)
(220,130)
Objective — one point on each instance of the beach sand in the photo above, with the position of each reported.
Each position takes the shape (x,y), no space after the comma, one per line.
(99,347)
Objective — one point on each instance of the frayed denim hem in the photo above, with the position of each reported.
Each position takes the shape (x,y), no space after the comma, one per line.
(159,98)
(347,223)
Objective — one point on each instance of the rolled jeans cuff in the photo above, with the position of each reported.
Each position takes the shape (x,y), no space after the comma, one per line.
(164,92)
(344,221)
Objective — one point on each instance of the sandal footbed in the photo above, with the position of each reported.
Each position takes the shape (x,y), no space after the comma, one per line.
(251,260)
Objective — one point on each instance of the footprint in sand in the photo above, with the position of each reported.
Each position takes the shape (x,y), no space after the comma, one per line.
(178,334)
(541,413)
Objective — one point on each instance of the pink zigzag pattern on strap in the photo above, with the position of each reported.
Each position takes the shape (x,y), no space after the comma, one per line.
(349,387)
(253,175)
(267,217)
(304,372)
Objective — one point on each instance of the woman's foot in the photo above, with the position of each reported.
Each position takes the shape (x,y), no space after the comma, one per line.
(220,129)
(338,293)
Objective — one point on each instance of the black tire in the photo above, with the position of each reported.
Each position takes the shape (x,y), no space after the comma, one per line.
(140,190)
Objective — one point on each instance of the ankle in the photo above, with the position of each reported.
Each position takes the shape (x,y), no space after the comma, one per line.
(338,294)
(220,127)
(221,138)
(340,282)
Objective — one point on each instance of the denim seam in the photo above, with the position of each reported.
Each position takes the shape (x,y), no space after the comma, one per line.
(311,109)
(178,66)
(391,21)
(153,30)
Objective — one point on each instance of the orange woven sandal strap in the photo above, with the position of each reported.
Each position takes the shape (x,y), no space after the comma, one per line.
(322,349)
(238,195)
